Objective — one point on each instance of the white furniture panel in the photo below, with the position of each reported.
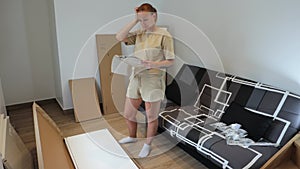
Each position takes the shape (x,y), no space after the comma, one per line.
(96,150)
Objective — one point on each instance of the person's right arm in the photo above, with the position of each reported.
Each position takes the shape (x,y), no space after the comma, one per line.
(123,33)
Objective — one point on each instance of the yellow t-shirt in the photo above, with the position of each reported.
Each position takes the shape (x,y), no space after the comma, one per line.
(152,46)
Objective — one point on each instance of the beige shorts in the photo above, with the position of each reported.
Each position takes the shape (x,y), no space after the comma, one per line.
(149,87)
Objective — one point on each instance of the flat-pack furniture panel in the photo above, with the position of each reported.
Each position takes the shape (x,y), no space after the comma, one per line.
(13,151)
(3,126)
(85,99)
(16,154)
(113,86)
(98,149)
(51,150)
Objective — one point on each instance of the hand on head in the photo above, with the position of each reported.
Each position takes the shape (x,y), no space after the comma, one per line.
(136,9)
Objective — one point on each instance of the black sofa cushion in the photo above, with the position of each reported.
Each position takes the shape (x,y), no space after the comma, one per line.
(255,124)
(290,112)
(183,89)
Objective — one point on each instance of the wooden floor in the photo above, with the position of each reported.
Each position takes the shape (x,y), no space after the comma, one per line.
(164,154)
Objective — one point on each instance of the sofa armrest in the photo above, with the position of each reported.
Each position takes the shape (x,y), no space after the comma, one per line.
(284,157)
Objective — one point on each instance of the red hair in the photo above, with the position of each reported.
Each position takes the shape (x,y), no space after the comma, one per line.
(146,8)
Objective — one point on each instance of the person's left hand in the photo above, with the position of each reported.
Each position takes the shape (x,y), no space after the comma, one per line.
(148,64)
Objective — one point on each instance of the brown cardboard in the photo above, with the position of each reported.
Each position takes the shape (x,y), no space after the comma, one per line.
(113,86)
(51,149)
(85,99)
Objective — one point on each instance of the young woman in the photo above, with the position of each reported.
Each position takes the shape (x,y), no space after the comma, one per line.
(154,46)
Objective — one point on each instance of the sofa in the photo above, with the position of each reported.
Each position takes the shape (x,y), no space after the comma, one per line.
(226,121)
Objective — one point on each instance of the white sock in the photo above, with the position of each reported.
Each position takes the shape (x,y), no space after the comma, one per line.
(127,140)
(145,151)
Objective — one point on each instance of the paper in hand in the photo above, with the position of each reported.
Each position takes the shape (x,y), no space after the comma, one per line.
(122,64)
(132,61)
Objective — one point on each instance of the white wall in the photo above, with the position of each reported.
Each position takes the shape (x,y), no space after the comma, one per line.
(253,39)
(54,53)
(76,23)
(26,67)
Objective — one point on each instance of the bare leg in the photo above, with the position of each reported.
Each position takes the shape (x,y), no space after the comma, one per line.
(152,109)
(130,110)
